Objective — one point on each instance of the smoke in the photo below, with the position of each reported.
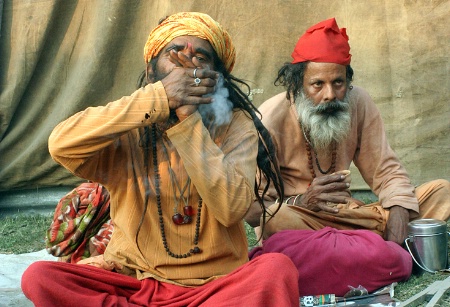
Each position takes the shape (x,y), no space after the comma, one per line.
(218,112)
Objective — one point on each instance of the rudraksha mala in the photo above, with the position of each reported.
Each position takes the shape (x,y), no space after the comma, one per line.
(308,145)
(195,249)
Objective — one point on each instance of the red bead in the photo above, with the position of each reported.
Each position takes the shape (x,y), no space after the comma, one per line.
(188,210)
(177,219)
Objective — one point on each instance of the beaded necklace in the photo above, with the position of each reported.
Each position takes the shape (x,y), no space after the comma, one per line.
(188,211)
(309,146)
(195,249)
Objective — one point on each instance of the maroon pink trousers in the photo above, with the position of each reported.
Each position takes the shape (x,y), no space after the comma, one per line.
(268,280)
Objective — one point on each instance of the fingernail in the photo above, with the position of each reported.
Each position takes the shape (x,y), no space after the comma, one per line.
(347,184)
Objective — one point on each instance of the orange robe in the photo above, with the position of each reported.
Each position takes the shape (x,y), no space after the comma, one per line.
(104,144)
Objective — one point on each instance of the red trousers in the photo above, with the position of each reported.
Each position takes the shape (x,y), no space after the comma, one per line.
(268,280)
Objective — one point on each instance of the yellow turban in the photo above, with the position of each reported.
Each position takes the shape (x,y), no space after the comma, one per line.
(194,24)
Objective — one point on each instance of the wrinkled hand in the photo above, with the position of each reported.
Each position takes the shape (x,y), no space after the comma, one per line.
(325,191)
(183,94)
(397,225)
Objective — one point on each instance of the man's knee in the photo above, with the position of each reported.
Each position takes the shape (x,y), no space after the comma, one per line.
(33,276)
(274,262)
(436,185)
(442,184)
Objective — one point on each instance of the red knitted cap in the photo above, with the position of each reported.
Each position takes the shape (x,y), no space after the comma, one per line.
(323,42)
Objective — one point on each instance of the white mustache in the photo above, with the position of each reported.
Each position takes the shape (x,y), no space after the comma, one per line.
(326,123)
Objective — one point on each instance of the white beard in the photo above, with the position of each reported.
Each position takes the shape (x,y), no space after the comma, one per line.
(326,123)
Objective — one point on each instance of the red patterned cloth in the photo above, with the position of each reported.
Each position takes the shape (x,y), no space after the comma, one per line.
(81,225)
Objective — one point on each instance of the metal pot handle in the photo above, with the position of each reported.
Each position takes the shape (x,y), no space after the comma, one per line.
(421,266)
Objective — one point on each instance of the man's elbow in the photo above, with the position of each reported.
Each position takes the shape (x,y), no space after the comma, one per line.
(61,154)
(55,149)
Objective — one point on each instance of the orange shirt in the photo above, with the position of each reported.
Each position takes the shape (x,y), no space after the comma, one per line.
(102,144)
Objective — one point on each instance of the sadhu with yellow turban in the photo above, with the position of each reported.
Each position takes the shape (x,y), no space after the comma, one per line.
(179,190)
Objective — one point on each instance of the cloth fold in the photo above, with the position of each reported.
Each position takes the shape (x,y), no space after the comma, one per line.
(331,261)
(81,225)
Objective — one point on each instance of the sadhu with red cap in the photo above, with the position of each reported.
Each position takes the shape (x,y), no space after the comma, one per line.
(320,125)
(179,157)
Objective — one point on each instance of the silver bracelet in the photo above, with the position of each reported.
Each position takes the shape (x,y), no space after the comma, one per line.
(295,199)
(288,199)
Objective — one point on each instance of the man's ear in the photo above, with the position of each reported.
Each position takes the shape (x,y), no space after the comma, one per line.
(149,73)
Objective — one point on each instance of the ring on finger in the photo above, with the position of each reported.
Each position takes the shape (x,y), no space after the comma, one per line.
(197,81)
(195,73)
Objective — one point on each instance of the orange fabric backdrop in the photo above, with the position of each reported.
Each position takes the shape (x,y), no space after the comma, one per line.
(58,57)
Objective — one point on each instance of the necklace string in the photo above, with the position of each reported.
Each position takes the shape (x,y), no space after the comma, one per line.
(188,211)
(195,249)
(309,146)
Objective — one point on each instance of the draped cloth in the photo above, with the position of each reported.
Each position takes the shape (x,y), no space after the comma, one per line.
(335,261)
(81,225)
(251,284)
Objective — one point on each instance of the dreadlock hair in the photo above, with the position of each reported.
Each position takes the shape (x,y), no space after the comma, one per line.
(291,77)
(266,161)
